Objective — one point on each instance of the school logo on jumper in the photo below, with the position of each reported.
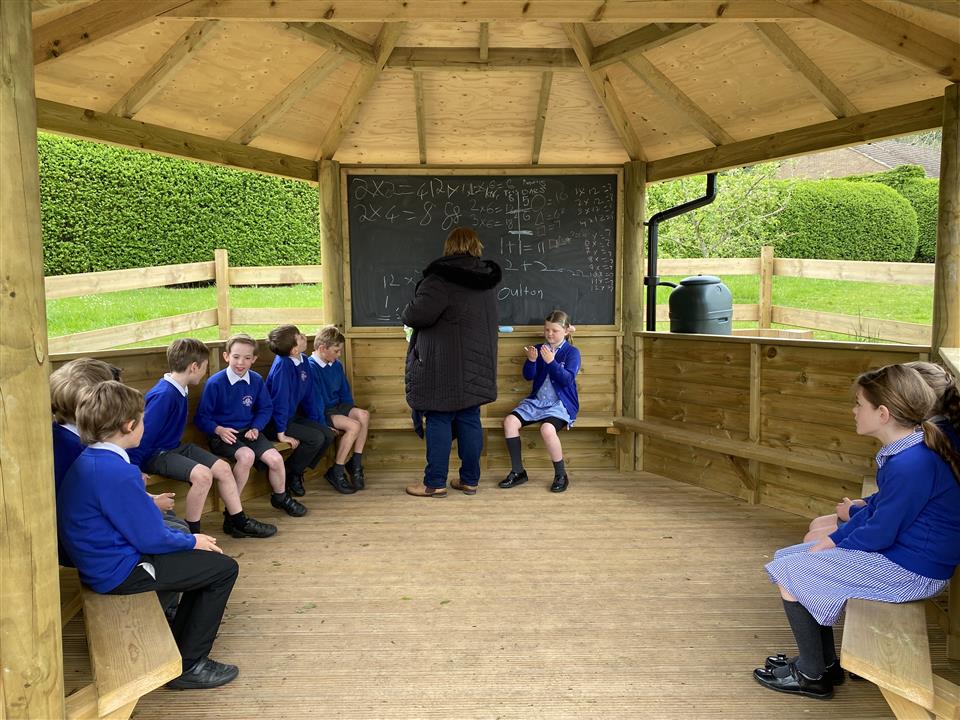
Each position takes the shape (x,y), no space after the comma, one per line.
(247,401)
(303,376)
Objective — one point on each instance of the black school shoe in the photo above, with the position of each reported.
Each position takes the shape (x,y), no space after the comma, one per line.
(796,683)
(249,528)
(560,483)
(205,673)
(286,503)
(295,485)
(513,479)
(339,481)
(834,671)
(356,476)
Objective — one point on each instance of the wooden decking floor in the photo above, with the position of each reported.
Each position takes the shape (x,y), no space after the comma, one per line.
(629,596)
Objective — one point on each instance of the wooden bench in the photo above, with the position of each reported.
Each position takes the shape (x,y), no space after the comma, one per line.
(404,422)
(132,651)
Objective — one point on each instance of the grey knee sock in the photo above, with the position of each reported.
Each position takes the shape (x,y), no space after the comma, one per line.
(829,645)
(513,446)
(806,631)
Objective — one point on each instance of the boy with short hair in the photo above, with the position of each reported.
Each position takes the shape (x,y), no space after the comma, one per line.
(114,532)
(161,451)
(333,389)
(234,408)
(297,419)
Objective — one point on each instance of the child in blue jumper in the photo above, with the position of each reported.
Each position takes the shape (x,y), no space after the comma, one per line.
(235,406)
(297,417)
(116,536)
(162,452)
(902,546)
(332,391)
(553,402)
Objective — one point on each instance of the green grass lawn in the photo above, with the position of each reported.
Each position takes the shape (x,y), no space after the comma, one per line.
(909,303)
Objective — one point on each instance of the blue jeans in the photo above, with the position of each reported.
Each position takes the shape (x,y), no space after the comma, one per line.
(442,429)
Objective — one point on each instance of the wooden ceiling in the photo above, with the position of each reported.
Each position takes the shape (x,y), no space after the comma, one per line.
(686,85)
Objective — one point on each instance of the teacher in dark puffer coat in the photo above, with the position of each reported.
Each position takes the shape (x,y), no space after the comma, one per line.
(452,359)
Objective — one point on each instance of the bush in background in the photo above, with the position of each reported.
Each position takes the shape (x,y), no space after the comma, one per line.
(108,208)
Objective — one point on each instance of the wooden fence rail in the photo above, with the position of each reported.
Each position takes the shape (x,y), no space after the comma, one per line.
(224,315)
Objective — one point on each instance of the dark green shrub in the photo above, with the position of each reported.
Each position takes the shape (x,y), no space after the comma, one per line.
(839,220)
(924,196)
(108,208)
(896,178)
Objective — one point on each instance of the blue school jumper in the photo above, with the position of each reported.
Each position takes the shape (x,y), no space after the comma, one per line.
(291,389)
(562,376)
(106,521)
(243,405)
(67,447)
(164,420)
(330,382)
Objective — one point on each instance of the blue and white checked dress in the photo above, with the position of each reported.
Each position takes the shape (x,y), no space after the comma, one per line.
(545,404)
(823,581)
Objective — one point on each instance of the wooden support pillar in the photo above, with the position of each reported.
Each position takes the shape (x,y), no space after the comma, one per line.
(634,210)
(331,244)
(766,286)
(31,654)
(221,272)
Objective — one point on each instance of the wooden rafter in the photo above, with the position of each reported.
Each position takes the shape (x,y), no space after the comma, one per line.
(421,118)
(668,91)
(68,120)
(790,54)
(617,11)
(542,106)
(604,90)
(484,40)
(299,88)
(94,24)
(855,130)
(330,38)
(911,42)
(641,40)
(450,58)
(386,41)
(947,7)
(164,69)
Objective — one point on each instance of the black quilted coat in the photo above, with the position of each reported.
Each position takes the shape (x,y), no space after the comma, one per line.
(452,358)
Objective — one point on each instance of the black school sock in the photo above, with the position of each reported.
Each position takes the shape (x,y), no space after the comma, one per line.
(238,520)
(807,633)
(357,460)
(513,447)
(558,468)
(194,526)
(339,470)
(829,645)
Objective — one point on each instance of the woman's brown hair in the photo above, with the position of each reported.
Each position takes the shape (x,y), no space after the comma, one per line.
(463,241)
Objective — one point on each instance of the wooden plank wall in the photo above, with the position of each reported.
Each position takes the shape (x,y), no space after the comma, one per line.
(801,404)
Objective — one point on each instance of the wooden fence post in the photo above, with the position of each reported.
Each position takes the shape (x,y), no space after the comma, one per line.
(222,279)
(766,286)
(331,244)
(31,654)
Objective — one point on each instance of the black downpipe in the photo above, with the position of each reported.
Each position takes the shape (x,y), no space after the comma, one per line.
(652,280)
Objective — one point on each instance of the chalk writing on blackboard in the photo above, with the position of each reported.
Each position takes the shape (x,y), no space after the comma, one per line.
(554,236)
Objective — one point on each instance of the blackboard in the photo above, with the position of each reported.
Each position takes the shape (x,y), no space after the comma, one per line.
(554,236)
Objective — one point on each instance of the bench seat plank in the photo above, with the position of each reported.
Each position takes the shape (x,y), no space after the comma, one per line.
(71,594)
(132,651)
(887,644)
(946,699)
(403,422)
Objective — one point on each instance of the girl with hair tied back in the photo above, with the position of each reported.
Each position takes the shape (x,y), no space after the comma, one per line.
(904,545)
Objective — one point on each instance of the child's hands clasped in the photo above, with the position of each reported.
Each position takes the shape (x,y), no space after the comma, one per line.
(164,501)
(205,542)
(252,434)
(843,507)
(547,353)
(228,435)
(291,441)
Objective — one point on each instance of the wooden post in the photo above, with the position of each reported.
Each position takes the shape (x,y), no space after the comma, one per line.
(946,283)
(634,208)
(31,654)
(756,365)
(331,243)
(766,286)
(221,265)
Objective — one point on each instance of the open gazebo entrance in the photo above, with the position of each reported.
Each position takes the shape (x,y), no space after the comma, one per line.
(653,89)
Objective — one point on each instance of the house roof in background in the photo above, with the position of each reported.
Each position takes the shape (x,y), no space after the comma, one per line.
(892,153)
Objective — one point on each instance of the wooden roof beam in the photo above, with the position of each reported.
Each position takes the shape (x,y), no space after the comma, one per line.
(421,118)
(641,40)
(604,90)
(385,42)
(459,59)
(79,122)
(921,47)
(484,41)
(844,132)
(330,38)
(94,24)
(164,69)
(571,11)
(668,91)
(790,54)
(542,105)
(301,86)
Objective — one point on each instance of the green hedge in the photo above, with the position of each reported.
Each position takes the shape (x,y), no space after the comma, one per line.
(840,220)
(108,208)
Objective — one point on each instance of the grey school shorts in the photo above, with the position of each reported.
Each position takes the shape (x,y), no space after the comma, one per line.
(259,446)
(341,409)
(179,462)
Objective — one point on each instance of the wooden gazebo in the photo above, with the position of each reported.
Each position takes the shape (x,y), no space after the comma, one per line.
(316,90)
